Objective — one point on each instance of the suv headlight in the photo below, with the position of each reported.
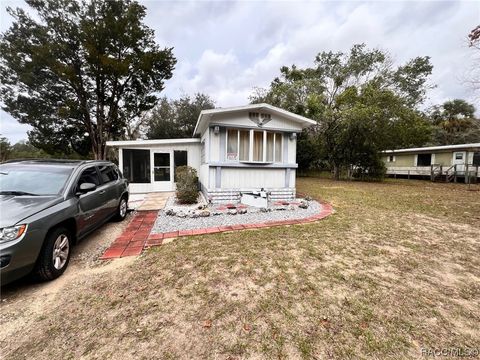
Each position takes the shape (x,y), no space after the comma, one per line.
(12,233)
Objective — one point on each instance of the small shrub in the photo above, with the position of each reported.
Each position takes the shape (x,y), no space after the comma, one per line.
(187,185)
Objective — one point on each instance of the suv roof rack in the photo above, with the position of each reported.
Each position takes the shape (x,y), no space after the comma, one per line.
(59,161)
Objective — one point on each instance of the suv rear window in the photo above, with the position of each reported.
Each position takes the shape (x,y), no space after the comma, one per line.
(108,173)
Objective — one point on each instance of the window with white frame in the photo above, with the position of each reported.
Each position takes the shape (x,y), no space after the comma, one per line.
(391,158)
(254,146)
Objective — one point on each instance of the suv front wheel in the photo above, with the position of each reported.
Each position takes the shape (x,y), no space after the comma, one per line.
(121,209)
(55,254)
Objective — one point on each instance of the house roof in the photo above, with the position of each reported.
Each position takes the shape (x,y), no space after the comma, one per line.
(206,115)
(141,142)
(473,146)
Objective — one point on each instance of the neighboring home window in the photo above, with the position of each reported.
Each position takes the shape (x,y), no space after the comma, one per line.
(476,159)
(424,159)
(254,145)
(459,156)
(391,158)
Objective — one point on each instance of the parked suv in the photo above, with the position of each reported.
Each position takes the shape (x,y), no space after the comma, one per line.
(46,206)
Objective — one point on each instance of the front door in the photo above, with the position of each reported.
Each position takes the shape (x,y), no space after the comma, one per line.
(91,203)
(162,179)
(459,158)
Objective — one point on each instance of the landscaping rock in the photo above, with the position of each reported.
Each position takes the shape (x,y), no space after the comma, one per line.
(170,212)
(181,214)
(265,210)
(290,207)
(192,214)
(204,213)
(242,211)
(202,207)
(281,208)
(216,213)
(232,212)
(303,205)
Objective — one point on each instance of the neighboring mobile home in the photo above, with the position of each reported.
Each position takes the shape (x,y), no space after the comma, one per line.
(448,162)
(234,150)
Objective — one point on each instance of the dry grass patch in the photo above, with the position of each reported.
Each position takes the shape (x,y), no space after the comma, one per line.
(395,269)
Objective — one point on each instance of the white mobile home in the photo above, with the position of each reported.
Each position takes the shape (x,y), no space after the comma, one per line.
(438,162)
(234,150)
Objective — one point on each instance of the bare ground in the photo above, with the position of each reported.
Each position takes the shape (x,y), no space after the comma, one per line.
(394,270)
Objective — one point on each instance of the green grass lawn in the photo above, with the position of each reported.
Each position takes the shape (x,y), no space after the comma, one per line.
(395,269)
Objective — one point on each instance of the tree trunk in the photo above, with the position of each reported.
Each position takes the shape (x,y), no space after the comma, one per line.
(336,172)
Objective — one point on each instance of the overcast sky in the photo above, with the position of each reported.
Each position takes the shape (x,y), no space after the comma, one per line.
(225,49)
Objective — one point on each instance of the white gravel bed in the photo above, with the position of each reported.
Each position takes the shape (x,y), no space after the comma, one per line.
(165,223)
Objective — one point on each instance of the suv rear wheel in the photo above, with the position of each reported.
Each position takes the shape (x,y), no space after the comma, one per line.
(55,254)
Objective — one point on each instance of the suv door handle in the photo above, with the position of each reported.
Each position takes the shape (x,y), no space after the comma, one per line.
(102,192)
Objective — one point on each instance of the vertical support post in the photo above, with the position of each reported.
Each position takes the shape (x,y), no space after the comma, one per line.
(409,174)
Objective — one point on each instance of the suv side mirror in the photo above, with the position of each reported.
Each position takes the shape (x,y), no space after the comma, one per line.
(87,187)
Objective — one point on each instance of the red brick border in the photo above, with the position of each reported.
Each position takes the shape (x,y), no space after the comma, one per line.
(137,237)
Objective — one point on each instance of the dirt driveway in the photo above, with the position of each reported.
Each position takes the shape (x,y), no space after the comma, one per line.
(23,301)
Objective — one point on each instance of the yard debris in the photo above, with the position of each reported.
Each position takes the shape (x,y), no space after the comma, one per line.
(207,324)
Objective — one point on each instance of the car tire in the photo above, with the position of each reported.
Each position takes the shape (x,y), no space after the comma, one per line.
(55,255)
(122,208)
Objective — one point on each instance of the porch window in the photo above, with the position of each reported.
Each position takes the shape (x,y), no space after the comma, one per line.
(232,144)
(258,146)
(254,145)
(136,165)
(244,145)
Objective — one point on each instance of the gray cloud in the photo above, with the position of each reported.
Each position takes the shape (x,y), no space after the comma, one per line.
(227,48)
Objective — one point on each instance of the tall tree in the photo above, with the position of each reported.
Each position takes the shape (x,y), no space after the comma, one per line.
(5,148)
(455,123)
(172,119)
(79,72)
(357,96)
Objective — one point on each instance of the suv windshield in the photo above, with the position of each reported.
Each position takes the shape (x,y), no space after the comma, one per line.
(33,179)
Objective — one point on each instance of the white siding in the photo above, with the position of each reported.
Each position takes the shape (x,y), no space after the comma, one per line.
(256,178)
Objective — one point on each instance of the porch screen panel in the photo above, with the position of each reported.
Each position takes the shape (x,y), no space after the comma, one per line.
(258,146)
(136,165)
(161,169)
(244,145)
